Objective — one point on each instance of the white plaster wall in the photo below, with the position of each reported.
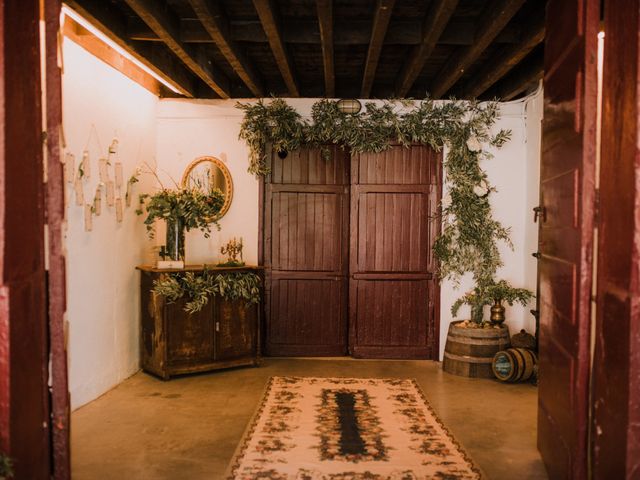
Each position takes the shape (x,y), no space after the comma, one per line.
(191,128)
(102,285)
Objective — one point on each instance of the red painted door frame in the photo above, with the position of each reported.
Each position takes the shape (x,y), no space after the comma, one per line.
(55,211)
(24,398)
(616,366)
(567,194)
(33,419)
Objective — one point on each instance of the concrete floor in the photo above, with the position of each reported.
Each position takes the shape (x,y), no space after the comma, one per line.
(189,427)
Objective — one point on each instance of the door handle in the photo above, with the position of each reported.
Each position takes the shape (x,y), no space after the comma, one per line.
(539,212)
(537,255)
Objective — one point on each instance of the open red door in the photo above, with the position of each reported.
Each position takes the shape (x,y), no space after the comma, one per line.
(567,194)
(616,366)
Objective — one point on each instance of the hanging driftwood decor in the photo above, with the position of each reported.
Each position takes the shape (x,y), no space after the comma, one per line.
(118,171)
(104,172)
(85,165)
(78,188)
(69,167)
(119,210)
(88,218)
(97,201)
(111,193)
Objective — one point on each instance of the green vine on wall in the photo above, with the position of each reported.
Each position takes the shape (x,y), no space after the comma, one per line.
(198,287)
(470,235)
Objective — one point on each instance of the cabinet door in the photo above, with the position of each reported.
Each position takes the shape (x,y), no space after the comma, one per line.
(189,336)
(235,330)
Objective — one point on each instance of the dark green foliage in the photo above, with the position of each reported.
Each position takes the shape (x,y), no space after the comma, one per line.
(6,467)
(487,294)
(193,207)
(199,286)
(470,234)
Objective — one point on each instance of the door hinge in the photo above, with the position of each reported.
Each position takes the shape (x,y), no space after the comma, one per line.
(596,206)
(217,326)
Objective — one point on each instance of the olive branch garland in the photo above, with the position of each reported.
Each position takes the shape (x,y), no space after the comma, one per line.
(470,235)
(199,287)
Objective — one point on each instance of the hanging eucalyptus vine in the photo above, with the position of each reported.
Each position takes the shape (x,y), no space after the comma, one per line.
(470,235)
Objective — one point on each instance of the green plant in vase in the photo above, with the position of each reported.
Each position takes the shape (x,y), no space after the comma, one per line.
(182,210)
(493,293)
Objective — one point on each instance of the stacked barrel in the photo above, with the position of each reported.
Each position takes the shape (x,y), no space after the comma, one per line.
(518,363)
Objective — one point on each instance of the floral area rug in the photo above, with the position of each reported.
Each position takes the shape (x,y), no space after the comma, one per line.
(347,429)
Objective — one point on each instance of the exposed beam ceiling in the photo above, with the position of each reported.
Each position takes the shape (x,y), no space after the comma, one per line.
(507,58)
(216,25)
(521,78)
(336,49)
(268,18)
(113,26)
(495,17)
(166,27)
(434,24)
(325,22)
(381,19)
(346,33)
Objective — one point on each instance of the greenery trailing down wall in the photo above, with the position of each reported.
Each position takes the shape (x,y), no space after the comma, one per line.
(470,235)
(197,287)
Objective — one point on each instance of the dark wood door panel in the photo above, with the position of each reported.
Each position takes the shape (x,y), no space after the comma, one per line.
(394,197)
(309,316)
(389,318)
(566,234)
(306,253)
(399,166)
(236,329)
(309,166)
(307,230)
(189,337)
(392,231)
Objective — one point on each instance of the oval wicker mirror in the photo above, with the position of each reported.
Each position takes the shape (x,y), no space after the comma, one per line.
(206,174)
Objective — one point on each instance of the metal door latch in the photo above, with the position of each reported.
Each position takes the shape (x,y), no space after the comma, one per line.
(539,212)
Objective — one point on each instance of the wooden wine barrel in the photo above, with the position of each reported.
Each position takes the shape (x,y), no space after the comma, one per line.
(514,364)
(469,351)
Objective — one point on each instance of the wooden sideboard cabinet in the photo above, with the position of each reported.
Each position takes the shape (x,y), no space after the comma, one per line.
(172,342)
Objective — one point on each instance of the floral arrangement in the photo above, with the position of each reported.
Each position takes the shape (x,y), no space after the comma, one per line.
(192,207)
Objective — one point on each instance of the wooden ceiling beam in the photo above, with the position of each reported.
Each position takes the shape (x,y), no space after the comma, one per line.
(384,8)
(523,76)
(507,58)
(434,24)
(268,19)
(325,23)
(353,32)
(495,17)
(105,19)
(216,25)
(167,29)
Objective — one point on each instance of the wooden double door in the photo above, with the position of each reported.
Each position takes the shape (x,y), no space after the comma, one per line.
(347,250)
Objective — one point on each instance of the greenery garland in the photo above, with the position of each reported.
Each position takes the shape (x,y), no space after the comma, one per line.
(199,286)
(470,235)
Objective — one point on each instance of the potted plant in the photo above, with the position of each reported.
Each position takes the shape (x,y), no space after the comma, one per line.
(182,209)
(494,293)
